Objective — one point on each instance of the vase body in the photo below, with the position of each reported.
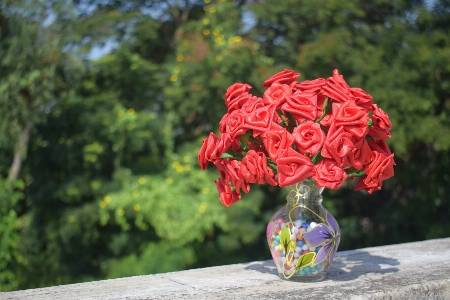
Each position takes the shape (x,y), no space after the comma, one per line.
(303,236)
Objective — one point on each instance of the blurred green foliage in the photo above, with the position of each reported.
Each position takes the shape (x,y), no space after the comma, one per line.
(108,181)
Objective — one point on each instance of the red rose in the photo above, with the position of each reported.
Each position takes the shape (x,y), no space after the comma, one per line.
(309,85)
(293,167)
(362,99)
(309,137)
(381,168)
(361,185)
(276,94)
(276,140)
(232,123)
(379,146)
(353,118)
(254,168)
(226,194)
(207,150)
(336,88)
(359,157)
(283,77)
(252,104)
(260,120)
(381,124)
(338,145)
(329,174)
(229,170)
(302,105)
(233,94)
(238,102)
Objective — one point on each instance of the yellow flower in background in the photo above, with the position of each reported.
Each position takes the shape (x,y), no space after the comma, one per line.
(206,32)
(137,207)
(186,159)
(177,69)
(206,21)
(202,207)
(141,180)
(131,111)
(205,190)
(107,199)
(121,212)
(180,58)
(219,57)
(102,204)
(207,1)
(120,113)
(173,78)
(169,180)
(216,32)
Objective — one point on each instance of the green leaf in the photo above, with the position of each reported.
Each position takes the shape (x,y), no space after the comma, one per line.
(243,139)
(305,260)
(226,155)
(285,238)
(316,158)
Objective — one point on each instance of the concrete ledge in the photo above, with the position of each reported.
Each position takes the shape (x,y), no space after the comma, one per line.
(419,270)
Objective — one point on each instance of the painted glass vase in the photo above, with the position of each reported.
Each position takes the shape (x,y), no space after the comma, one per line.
(303,236)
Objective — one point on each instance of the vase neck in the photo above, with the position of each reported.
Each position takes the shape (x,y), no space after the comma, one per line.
(304,192)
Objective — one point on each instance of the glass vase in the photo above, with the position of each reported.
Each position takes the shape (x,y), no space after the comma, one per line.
(303,236)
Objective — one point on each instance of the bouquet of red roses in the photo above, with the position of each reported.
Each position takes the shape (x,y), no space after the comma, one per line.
(321,129)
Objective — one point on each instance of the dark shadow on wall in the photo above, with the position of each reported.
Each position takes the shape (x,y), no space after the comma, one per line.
(346,266)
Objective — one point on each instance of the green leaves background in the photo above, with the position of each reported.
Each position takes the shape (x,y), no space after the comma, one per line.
(109,184)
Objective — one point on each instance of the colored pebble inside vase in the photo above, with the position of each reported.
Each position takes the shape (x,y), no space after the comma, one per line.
(287,260)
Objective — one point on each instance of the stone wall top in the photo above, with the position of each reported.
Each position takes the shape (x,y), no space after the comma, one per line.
(419,270)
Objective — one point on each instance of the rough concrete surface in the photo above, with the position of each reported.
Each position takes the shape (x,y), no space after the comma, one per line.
(419,270)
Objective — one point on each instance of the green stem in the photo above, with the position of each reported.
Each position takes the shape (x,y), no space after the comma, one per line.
(325,110)
(292,122)
(283,118)
(359,173)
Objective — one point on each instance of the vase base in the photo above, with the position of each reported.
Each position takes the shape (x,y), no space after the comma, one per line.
(304,278)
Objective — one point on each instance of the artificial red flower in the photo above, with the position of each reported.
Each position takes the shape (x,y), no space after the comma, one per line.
(276,140)
(361,185)
(381,168)
(308,137)
(260,120)
(351,117)
(233,95)
(207,151)
(283,77)
(252,104)
(379,146)
(339,144)
(233,123)
(291,124)
(254,168)
(238,102)
(276,94)
(359,157)
(336,88)
(381,124)
(293,167)
(328,174)
(226,194)
(309,85)
(362,99)
(301,105)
